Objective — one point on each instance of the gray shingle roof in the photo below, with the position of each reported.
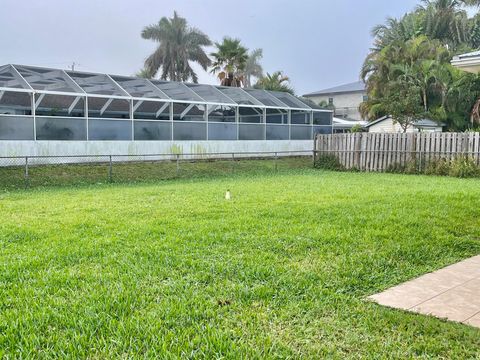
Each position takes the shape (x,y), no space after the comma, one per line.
(418,123)
(358,86)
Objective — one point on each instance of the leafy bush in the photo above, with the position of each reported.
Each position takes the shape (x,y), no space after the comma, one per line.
(409,168)
(440,167)
(356,129)
(461,166)
(464,167)
(328,162)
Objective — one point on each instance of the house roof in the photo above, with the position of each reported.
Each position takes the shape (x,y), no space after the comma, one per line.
(358,86)
(467,55)
(469,62)
(343,123)
(418,123)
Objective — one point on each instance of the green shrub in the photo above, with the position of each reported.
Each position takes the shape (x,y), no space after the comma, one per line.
(412,167)
(328,162)
(409,168)
(440,167)
(464,167)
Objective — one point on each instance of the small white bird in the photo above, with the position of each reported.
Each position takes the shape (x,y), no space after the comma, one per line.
(228,195)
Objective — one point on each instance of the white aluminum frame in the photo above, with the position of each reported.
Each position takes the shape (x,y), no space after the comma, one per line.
(167,101)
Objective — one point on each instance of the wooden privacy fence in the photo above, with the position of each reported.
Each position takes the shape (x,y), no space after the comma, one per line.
(382,151)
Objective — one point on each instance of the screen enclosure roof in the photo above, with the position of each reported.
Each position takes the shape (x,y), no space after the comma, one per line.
(23,78)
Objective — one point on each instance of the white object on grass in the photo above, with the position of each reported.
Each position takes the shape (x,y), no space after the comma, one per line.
(228,195)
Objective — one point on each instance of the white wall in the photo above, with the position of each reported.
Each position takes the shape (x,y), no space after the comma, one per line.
(387,126)
(346,100)
(64,148)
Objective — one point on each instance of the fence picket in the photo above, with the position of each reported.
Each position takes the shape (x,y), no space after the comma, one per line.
(381,151)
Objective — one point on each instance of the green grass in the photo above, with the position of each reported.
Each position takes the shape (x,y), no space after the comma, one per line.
(13,177)
(173,270)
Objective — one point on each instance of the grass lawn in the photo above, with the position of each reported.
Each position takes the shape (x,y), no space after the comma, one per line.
(173,270)
(13,177)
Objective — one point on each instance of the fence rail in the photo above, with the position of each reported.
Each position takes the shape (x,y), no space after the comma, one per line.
(33,171)
(384,151)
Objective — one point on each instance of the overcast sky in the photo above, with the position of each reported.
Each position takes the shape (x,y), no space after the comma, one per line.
(317,43)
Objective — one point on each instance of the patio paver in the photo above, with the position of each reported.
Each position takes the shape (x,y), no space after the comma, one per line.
(451,293)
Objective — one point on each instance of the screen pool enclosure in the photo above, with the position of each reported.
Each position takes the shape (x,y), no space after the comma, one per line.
(51,104)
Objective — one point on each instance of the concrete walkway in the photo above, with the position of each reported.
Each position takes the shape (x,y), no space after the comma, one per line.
(452,293)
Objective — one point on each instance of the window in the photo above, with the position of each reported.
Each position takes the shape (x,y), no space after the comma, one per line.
(330,101)
(365,98)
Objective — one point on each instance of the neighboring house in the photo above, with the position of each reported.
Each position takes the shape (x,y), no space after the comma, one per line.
(387,125)
(468,62)
(345,99)
(341,126)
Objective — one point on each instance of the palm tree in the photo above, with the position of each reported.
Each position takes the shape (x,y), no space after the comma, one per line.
(275,82)
(253,68)
(178,45)
(230,60)
(415,62)
(470,2)
(144,73)
(445,20)
(396,30)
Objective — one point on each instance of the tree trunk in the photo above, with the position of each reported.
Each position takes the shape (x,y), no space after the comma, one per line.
(425,105)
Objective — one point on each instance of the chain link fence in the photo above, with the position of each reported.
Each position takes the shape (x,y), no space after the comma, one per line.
(39,171)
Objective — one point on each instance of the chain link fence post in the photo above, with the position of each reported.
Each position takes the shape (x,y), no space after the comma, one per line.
(110,169)
(27,180)
(178,164)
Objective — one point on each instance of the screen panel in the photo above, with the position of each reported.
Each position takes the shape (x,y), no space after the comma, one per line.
(100,129)
(301,132)
(289,100)
(250,115)
(210,93)
(16,127)
(177,91)
(189,131)
(222,131)
(152,130)
(151,110)
(322,118)
(15,103)
(59,105)
(140,87)
(189,112)
(61,128)
(251,132)
(97,84)
(220,113)
(9,78)
(240,96)
(48,79)
(277,132)
(265,98)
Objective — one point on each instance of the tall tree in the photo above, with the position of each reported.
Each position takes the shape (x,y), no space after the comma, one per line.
(403,102)
(275,82)
(144,73)
(445,20)
(253,68)
(396,30)
(230,60)
(178,45)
